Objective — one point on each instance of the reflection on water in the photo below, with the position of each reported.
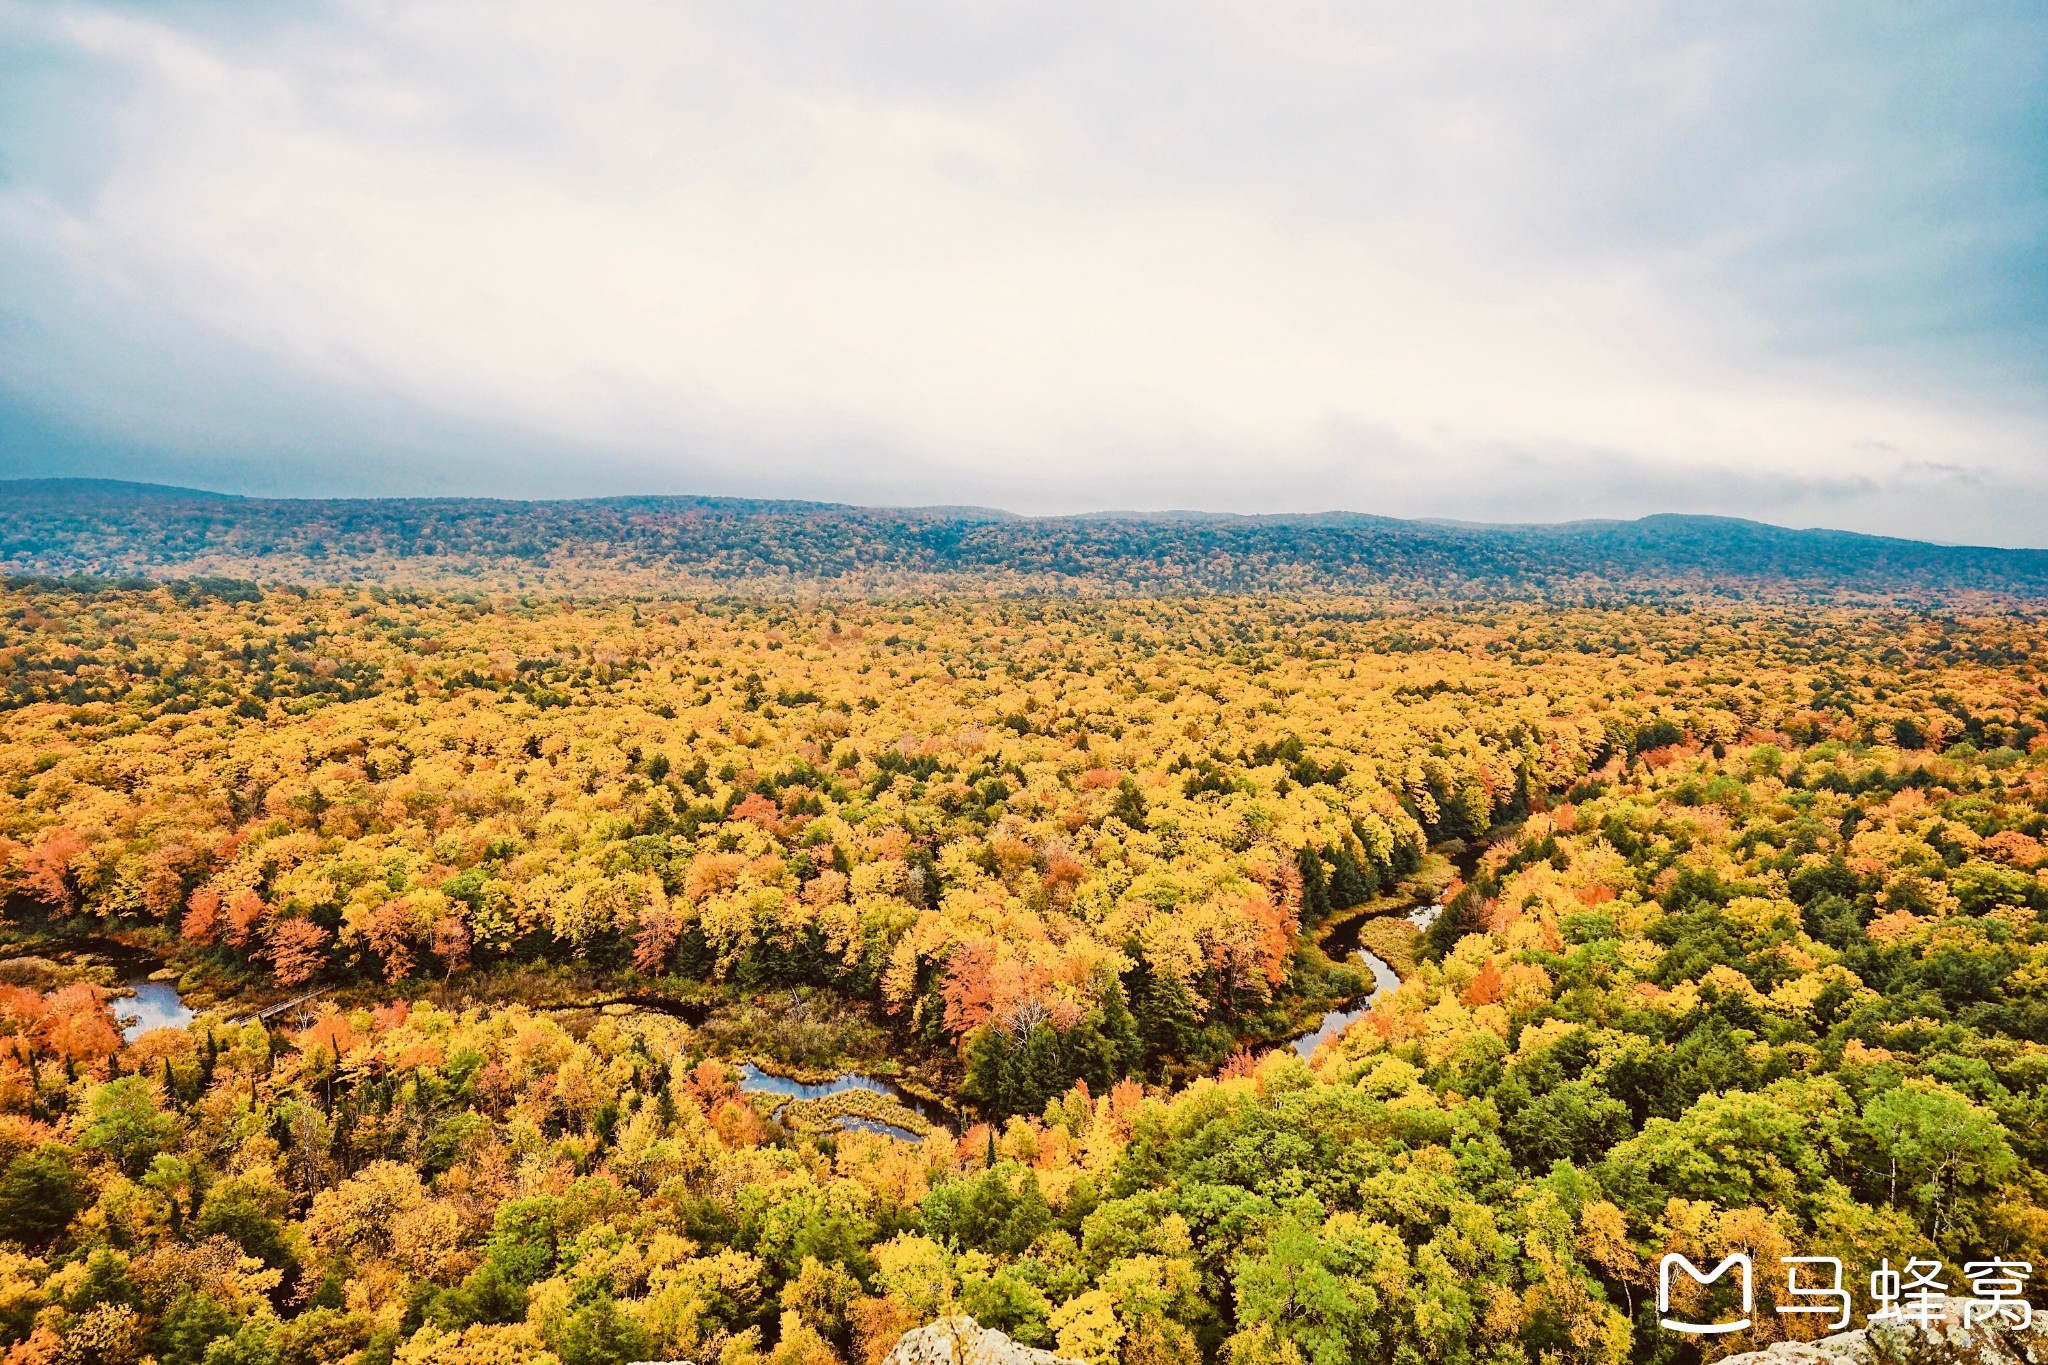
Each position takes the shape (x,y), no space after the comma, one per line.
(854,1123)
(755,1081)
(1422,916)
(1336,1021)
(156,1004)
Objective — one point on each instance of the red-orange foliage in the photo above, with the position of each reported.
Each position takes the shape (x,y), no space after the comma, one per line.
(494,1086)
(2011,846)
(760,810)
(246,911)
(878,1323)
(1062,875)
(1019,1001)
(1126,1097)
(712,1083)
(389,932)
(451,943)
(968,990)
(659,929)
(972,1148)
(1486,987)
(21,1012)
(297,951)
(1254,955)
(78,1024)
(827,888)
(202,918)
(46,872)
(41,1347)
(738,1125)
(333,1033)
(163,882)
(711,873)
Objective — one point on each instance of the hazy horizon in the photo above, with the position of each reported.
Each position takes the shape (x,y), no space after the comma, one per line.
(1004,513)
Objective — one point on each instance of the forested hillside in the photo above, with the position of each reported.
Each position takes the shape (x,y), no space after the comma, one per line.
(1743,950)
(732,546)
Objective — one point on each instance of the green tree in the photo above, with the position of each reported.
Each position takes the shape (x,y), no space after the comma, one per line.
(1772,1148)
(1934,1149)
(124,1123)
(191,1324)
(599,1334)
(39,1196)
(1350,885)
(239,1211)
(1289,1293)
(1129,804)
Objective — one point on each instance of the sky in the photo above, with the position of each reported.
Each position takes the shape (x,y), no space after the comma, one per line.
(1526,262)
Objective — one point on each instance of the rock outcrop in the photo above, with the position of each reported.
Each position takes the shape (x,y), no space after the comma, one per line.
(963,1341)
(1945,1341)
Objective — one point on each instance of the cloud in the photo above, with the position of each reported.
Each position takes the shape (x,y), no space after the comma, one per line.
(1559,260)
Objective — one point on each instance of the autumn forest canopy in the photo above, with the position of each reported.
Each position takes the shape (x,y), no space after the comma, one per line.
(1709,859)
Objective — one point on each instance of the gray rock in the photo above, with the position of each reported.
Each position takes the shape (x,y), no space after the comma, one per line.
(1944,1341)
(963,1341)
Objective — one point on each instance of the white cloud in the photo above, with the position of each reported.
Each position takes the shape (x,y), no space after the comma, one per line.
(1050,257)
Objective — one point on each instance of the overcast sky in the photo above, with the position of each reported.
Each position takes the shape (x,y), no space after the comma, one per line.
(1504,262)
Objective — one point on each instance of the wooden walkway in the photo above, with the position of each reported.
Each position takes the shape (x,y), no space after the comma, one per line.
(272,1011)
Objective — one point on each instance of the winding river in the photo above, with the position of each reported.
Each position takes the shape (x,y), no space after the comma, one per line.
(755,1081)
(1342,940)
(1341,945)
(157,1004)
(1336,1021)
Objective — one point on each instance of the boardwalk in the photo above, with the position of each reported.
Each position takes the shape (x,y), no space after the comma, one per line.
(272,1011)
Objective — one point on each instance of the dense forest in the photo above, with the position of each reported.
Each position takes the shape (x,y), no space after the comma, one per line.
(733,546)
(1738,948)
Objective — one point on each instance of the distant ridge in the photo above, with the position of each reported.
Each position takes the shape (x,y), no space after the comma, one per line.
(113,489)
(656,544)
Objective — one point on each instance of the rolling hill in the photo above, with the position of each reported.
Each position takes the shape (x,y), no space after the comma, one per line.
(68,527)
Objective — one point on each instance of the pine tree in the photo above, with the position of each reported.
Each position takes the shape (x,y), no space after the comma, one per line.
(1162,1010)
(1348,885)
(1129,805)
(1119,1030)
(1315,887)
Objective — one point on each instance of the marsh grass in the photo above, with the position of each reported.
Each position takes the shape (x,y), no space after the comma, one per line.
(800,1032)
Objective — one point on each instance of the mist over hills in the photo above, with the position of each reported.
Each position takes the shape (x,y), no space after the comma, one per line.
(70,527)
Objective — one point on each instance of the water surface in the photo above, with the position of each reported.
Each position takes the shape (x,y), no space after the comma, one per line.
(1336,1021)
(156,1004)
(855,1123)
(755,1081)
